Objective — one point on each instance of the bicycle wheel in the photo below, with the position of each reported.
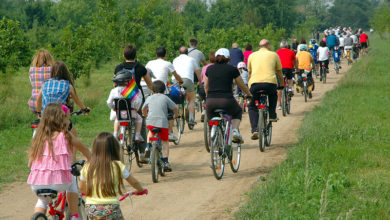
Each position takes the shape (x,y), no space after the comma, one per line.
(127,154)
(268,134)
(177,130)
(284,102)
(235,152)
(261,127)
(288,102)
(217,153)
(161,170)
(324,76)
(305,91)
(182,117)
(337,67)
(38,216)
(206,133)
(154,159)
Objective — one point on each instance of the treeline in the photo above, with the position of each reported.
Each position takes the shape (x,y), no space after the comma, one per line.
(85,33)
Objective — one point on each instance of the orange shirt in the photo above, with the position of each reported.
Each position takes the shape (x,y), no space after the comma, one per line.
(304,60)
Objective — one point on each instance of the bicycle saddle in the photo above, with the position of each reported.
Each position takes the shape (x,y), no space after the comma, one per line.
(219,111)
(156,130)
(47,192)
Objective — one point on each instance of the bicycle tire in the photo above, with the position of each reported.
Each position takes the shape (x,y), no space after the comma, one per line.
(206,133)
(182,117)
(324,76)
(177,131)
(161,170)
(284,103)
(127,153)
(337,67)
(235,152)
(305,92)
(288,98)
(38,216)
(217,154)
(268,134)
(154,160)
(261,128)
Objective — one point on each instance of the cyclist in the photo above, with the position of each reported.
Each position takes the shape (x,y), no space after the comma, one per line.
(185,66)
(201,90)
(295,46)
(195,53)
(155,109)
(248,51)
(219,85)
(303,42)
(348,45)
(313,53)
(236,55)
(332,41)
(323,56)
(262,66)
(305,63)
(161,69)
(364,42)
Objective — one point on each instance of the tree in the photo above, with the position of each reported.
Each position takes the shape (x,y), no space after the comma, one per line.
(381,20)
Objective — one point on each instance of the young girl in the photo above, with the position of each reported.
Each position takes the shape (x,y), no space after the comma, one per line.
(50,157)
(102,177)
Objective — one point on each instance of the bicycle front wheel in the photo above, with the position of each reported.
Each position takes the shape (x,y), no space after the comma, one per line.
(177,131)
(38,216)
(155,161)
(206,133)
(261,127)
(235,152)
(305,90)
(284,102)
(269,134)
(182,117)
(217,152)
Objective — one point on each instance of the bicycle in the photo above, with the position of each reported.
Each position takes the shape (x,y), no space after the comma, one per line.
(129,147)
(336,60)
(156,155)
(206,132)
(323,73)
(264,125)
(59,208)
(222,145)
(240,97)
(286,98)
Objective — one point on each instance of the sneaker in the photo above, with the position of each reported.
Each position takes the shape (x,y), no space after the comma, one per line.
(143,159)
(139,138)
(279,107)
(167,167)
(191,122)
(147,150)
(310,95)
(273,119)
(172,137)
(237,138)
(255,135)
(202,118)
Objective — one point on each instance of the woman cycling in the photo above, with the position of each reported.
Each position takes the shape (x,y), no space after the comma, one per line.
(39,72)
(219,89)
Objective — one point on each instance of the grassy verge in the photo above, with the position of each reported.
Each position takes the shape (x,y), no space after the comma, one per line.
(15,117)
(340,168)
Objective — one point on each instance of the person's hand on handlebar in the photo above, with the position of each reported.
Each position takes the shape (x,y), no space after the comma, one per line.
(86,110)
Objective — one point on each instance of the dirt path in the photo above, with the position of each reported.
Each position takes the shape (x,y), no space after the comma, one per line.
(191,191)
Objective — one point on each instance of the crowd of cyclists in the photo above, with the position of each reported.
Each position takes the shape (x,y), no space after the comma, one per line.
(227,73)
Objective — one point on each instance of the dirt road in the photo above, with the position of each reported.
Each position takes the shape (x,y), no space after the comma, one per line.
(191,191)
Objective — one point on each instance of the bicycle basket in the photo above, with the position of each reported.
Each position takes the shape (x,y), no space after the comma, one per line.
(123,109)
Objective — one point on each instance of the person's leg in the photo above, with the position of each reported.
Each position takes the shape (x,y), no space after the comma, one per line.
(73,202)
(138,126)
(272,99)
(280,98)
(116,128)
(252,109)
(165,149)
(191,106)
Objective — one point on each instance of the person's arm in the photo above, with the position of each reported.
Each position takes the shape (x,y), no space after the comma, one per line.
(39,102)
(134,183)
(279,74)
(76,99)
(199,76)
(175,112)
(204,62)
(177,77)
(80,146)
(312,62)
(240,83)
(82,186)
(206,84)
(148,80)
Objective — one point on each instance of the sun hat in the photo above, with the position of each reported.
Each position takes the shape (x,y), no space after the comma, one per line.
(223,52)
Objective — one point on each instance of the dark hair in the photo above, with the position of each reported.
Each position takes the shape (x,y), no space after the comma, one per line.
(161,52)
(158,86)
(303,41)
(221,59)
(323,44)
(60,71)
(248,47)
(212,57)
(130,52)
(193,42)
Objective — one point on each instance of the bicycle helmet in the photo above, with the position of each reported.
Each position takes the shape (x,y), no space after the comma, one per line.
(311,46)
(122,76)
(241,65)
(303,47)
(176,95)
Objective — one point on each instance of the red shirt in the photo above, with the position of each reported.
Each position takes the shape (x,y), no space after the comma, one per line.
(363,38)
(246,56)
(287,58)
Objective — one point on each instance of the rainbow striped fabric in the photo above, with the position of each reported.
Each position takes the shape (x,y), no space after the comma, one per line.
(131,91)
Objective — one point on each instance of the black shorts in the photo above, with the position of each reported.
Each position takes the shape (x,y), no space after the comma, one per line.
(288,73)
(230,105)
(363,45)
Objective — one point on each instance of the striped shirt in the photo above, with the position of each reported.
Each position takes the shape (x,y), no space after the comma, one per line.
(55,91)
(38,75)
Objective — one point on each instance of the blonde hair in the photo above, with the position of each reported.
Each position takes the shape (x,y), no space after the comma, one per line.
(42,58)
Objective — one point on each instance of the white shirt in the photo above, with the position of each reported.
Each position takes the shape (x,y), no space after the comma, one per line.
(341,39)
(355,39)
(185,66)
(160,69)
(323,53)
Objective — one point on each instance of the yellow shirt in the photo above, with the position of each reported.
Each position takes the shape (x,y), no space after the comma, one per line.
(94,199)
(263,65)
(304,60)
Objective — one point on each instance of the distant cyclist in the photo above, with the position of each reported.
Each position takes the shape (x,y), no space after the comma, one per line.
(236,55)
(332,41)
(288,60)
(305,63)
(198,55)
(323,56)
(248,51)
(364,42)
(348,45)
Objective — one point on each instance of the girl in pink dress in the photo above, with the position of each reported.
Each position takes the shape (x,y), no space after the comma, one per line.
(50,157)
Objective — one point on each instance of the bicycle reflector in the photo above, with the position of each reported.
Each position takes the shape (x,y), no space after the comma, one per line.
(34,126)
(261,106)
(121,137)
(212,123)
(153,139)
(124,123)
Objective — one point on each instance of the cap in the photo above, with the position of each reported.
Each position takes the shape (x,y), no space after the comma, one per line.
(223,52)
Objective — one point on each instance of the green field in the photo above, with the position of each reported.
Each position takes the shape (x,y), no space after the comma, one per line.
(15,117)
(340,168)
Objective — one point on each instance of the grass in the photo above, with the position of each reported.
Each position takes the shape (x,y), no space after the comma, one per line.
(15,117)
(340,168)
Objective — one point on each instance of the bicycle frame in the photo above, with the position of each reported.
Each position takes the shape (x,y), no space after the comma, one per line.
(226,128)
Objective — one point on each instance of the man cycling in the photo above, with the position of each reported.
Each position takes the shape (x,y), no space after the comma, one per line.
(262,66)
(186,66)
(287,58)
(305,62)
(332,41)
(348,45)
(364,42)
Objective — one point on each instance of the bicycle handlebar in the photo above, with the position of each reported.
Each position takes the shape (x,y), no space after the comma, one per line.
(75,171)
(81,111)
(132,193)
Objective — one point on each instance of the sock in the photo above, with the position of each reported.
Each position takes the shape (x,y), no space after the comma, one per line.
(115,134)
(164,159)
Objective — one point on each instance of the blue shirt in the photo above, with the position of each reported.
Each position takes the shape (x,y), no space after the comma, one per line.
(55,91)
(332,41)
(236,56)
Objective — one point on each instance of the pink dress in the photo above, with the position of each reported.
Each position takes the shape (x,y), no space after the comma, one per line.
(52,169)
(204,71)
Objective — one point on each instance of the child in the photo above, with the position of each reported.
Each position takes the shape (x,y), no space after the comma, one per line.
(121,80)
(243,72)
(102,177)
(50,157)
(157,117)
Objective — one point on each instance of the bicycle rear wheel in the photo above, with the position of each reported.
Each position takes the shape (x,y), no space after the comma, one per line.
(217,153)
(261,127)
(235,152)
(284,102)
(38,216)
(305,91)
(177,130)
(206,133)
(182,117)
(288,102)
(155,161)
(269,134)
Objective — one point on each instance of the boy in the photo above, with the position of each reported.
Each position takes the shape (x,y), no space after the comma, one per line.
(155,109)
